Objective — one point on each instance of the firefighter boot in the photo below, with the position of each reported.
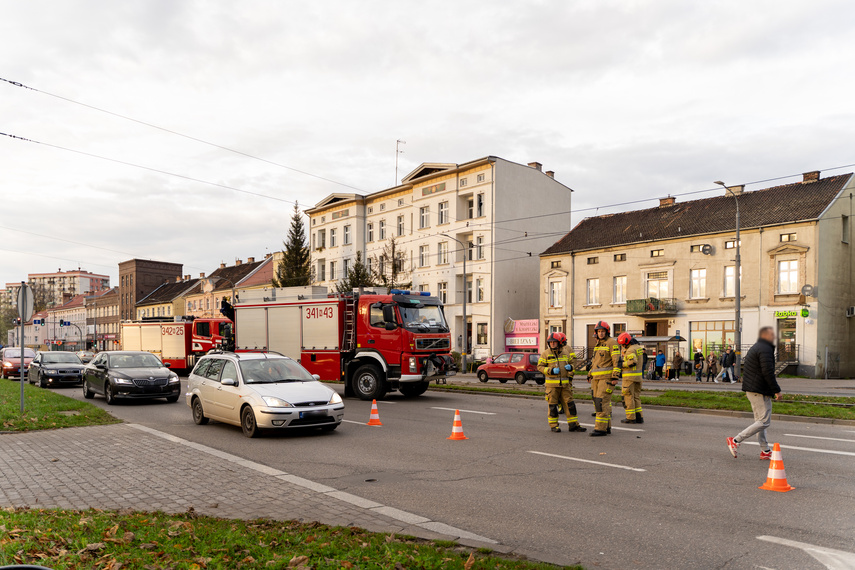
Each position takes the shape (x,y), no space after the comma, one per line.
(598,433)
(556,429)
(629,421)
(639,419)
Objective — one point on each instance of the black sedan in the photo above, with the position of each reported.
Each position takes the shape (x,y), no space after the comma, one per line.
(129,375)
(59,368)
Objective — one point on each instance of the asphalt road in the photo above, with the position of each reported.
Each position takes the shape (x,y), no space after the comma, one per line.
(667,495)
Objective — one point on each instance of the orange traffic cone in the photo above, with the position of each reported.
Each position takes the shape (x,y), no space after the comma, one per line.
(374,418)
(457,428)
(777,478)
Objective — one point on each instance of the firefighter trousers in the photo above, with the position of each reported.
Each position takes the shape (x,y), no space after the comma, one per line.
(561,394)
(631,392)
(602,394)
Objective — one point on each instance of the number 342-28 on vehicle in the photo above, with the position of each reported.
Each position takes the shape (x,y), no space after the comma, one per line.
(320,312)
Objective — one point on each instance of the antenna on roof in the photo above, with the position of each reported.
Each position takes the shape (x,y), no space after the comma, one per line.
(398,143)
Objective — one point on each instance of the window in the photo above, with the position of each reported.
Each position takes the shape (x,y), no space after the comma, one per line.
(424,253)
(479,242)
(481,333)
(332,237)
(442,255)
(657,284)
(332,271)
(470,208)
(593,260)
(400,225)
(620,257)
(346,235)
(322,271)
(323,219)
(442,291)
(657,252)
(314,221)
(845,229)
(695,249)
(424,217)
(443,213)
(468,290)
(463,182)
(480,205)
(555,264)
(731,244)
(400,202)
(382,207)
(593,289)
(370,264)
(345,268)
(229,370)
(470,250)
(423,288)
(788,276)
(729,283)
(370,209)
(375,317)
(382,229)
(619,289)
(381,264)
(370,232)
(480,178)
(788,237)
(698,278)
(479,286)
(618,328)
(322,239)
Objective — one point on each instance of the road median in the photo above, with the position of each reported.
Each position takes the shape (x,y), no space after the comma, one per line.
(45,409)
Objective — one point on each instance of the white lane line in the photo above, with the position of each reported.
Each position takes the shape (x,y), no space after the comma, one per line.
(386,402)
(613,427)
(818,437)
(831,451)
(588,461)
(353,422)
(464,411)
(829,557)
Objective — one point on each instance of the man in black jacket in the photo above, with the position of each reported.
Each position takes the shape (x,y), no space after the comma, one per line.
(759,384)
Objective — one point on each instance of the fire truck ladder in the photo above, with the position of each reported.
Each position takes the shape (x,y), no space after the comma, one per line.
(349,342)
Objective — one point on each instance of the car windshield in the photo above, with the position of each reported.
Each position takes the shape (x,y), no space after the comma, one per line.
(84,353)
(425,318)
(134,361)
(16,353)
(272,370)
(59,357)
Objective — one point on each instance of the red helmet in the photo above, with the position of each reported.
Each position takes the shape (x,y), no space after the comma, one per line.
(624,338)
(558,337)
(602,325)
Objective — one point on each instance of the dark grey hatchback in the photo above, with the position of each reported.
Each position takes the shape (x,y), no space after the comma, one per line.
(129,374)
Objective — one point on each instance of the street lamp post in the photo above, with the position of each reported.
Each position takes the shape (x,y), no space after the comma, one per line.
(737,363)
(465,293)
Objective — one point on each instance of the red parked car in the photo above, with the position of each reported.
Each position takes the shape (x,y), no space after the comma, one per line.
(521,366)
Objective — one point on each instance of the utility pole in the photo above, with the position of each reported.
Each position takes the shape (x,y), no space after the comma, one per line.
(737,363)
(398,143)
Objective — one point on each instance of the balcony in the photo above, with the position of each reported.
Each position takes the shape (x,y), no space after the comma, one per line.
(651,306)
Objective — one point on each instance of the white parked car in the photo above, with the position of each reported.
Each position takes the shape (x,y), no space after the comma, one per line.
(259,391)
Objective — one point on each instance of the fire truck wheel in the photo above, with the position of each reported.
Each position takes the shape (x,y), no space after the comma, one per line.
(368,383)
(414,389)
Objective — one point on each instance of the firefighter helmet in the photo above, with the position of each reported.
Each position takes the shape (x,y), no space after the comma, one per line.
(602,325)
(624,338)
(558,337)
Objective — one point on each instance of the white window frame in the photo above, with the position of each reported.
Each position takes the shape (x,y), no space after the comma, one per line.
(619,289)
(792,272)
(479,287)
(667,281)
(424,255)
(332,271)
(463,182)
(442,254)
(479,205)
(556,297)
(442,215)
(481,177)
(332,237)
(381,232)
(592,291)
(345,237)
(479,247)
(424,217)
(698,283)
(371,232)
(442,291)
(401,225)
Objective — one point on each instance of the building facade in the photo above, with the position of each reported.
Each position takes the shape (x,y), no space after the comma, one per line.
(103,328)
(167,301)
(205,298)
(138,278)
(670,272)
(73,335)
(494,214)
(57,288)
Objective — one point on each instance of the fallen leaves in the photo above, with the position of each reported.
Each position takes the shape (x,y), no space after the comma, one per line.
(469,563)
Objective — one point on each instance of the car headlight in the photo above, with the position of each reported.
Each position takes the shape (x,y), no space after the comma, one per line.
(414,364)
(50,372)
(336,399)
(7,364)
(276,402)
(120,380)
(173,379)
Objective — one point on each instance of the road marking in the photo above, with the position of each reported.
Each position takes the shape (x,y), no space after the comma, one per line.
(588,461)
(831,451)
(829,557)
(464,411)
(386,402)
(818,437)
(613,427)
(353,422)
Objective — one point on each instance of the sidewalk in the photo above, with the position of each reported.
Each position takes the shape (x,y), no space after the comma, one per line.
(127,466)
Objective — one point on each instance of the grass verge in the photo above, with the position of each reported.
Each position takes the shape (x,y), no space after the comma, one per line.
(794,405)
(108,541)
(45,409)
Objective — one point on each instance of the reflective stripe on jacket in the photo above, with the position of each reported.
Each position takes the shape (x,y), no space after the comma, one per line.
(604,361)
(550,359)
(633,359)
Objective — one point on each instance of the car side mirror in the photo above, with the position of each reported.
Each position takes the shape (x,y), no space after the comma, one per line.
(391,326)
(389,313)
(166,365)
(317,377)
(100,366)
(228,382)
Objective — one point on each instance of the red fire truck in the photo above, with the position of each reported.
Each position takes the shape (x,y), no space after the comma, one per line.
(177,343)
(374,343)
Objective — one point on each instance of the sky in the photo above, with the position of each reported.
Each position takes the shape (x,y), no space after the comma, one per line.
(625,100)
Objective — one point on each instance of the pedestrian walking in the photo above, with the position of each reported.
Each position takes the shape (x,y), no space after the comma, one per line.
(699,364)
(660,364)
(556,363)
(677,363)
(712,367)
(760,386)
(728,360)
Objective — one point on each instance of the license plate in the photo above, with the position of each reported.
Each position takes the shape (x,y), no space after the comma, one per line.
(538,376)
(311,414)
(451,373)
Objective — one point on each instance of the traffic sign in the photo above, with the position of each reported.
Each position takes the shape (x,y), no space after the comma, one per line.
(26,302)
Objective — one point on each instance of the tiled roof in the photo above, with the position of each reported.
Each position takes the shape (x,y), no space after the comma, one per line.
(167,292)
(73,303)
(262,276)
(770,206)
(228,275)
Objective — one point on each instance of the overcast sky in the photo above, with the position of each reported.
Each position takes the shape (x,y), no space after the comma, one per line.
(624,100)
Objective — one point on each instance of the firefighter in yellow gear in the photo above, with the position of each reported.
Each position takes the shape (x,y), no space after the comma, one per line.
(603,375)
(632,359)
(556,363)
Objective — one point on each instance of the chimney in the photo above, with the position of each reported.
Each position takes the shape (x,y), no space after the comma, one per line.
(809,177)
(268,255)
(238,262)
(222,266)
(735,190)
(665,202)
(201,276)
(179,279)
(536,165)
(250,260)
(186,278)
(550,173)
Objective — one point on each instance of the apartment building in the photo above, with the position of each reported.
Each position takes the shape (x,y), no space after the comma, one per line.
(58,287)
(138,278)
(494,214)
(669,271)
(103,325)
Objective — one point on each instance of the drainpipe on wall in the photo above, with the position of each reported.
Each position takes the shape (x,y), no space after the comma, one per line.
(572,299)
(492,257)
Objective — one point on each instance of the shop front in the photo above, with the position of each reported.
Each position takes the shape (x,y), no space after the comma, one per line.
(522,335)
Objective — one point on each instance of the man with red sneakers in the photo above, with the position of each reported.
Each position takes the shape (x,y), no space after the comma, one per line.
(631,363)
(604,373)
(760,386)
(556,363)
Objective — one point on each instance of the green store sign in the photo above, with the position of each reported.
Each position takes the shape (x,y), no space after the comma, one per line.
(804,313)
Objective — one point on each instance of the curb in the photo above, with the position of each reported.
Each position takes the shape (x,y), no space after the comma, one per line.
(704,411)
